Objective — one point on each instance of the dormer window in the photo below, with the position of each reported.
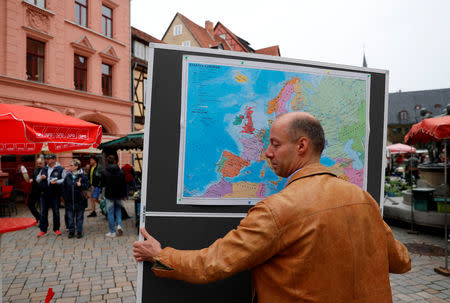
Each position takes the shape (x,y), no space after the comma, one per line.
(140,50)
(403,115)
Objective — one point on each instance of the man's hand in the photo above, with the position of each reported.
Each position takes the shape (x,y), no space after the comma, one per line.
(146,250)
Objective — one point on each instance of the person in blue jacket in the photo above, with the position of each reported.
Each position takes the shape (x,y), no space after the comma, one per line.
(75,183)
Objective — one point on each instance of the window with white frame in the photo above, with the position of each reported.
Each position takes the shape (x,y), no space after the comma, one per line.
(177,30)
(140,50)
(403,115)
(186,43)
(39,3)
(81,9)
(107,20)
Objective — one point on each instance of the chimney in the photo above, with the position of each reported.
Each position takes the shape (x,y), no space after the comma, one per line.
(209,27)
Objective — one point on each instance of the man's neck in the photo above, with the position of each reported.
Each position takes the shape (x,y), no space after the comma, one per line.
(306,162)
(52,165)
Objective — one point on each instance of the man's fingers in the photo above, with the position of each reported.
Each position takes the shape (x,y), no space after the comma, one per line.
(145,233)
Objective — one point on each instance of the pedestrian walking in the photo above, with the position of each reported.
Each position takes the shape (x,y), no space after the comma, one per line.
(51,179)
(113,180)
(130,180)
(34,197)
(94,180)
(75,201)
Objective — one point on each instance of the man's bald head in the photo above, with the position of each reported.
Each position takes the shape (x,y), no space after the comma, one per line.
(302,124)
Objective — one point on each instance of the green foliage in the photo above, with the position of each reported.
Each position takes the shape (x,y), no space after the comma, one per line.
(394,188)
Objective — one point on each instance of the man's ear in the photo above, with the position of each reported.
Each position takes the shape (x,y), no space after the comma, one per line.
(302,145)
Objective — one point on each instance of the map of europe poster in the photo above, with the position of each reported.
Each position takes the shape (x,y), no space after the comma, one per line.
(228,107)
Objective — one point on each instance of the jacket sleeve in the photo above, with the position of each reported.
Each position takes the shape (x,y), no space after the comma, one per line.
(255,240)
(399,258)
(102,180)
(85,182)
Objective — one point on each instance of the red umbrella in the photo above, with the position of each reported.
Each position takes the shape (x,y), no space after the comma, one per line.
(400,148)
(431,129)
(23,130)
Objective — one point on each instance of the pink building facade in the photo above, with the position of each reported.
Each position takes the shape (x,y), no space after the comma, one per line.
(70,56)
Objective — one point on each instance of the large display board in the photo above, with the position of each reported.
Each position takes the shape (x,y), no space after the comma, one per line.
(207,122)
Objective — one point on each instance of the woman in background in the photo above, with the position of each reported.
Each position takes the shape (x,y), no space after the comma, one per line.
(75,183)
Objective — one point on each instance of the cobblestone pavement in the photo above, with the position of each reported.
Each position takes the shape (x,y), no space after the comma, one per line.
(94,268)
(100,269)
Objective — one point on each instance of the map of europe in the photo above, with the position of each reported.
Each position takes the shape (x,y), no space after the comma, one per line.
(228,113)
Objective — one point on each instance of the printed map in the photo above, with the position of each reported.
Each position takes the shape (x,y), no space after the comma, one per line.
(228,113)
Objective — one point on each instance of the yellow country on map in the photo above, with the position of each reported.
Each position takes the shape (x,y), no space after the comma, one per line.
(241,78)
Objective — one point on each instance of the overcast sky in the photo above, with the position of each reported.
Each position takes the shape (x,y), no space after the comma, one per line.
(410,38)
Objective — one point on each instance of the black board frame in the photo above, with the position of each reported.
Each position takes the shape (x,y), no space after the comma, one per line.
(195,226)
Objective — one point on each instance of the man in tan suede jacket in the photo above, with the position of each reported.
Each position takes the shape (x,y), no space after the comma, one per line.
(320,239)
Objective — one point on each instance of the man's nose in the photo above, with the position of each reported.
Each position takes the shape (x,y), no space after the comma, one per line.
(269,153)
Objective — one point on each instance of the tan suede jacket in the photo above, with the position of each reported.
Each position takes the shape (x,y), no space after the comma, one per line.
(321,239)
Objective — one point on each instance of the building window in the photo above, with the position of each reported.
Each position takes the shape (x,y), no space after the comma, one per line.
(106,79)
(140,50)
(186,43)
(39,3)
(177,30)
(35,60)
(403,115)
(81,12)
(396,130)
(107,21)
(80,72)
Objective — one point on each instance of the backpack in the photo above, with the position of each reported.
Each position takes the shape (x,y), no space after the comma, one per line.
(129,172)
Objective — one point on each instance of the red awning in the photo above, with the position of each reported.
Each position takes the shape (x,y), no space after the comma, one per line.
(23,130)
(431,129)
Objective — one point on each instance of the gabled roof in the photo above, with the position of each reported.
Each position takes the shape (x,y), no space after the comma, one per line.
(136,33)
(244,44)
(434,100)
(271,50)
(203,37)
(212,38)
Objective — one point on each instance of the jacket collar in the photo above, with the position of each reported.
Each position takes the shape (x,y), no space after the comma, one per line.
(310,170)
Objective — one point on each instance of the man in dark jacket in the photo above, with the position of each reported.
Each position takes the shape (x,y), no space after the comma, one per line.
(51,179)
(35,191)
(113,179)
